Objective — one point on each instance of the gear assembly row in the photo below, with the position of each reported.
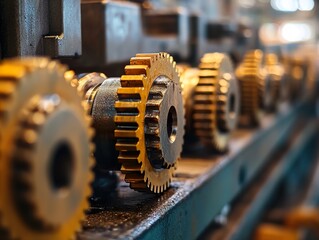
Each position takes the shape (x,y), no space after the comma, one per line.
(48,117)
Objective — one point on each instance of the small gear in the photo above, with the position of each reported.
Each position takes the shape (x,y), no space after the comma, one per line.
(45,151)
(216,101)
(275,73)
(150,121)
(251,78)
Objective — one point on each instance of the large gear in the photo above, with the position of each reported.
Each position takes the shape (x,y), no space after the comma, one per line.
(150,117)
(251,78)
(45,151)
(216,101)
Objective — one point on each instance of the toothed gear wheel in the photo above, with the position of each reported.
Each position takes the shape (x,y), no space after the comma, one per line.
(216,101)
(275,73)
(189,78)
(150,121)
(251,78)
(45,151)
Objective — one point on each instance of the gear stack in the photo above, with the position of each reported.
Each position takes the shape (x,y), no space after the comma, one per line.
(214,96)
(251,76)
(273,82)
(45,151)
(144,111)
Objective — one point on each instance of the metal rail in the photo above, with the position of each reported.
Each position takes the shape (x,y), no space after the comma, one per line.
(201,188)
(249,208)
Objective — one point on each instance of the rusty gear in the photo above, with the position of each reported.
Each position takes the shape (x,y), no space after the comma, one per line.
(216,101)
(251,78)
(45,151)
(150,116)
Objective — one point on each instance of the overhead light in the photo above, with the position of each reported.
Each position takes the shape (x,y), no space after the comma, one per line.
(292,5)
(284,5)
(295,32)
(306,5)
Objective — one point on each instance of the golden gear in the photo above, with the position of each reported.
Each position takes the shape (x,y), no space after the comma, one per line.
(251,81)
(272,83)
(216,101)
(189,80)
(45,151)
(133,95)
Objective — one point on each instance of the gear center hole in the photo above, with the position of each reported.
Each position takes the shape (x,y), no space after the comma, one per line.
(61,167)
(172,124)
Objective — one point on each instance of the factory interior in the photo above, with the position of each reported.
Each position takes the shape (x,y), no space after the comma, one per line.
(159,119)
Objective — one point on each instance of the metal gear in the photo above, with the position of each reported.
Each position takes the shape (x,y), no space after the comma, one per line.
(45,151)
(216,101)
(150,118)
(251,78)
(275,73)
(189,78)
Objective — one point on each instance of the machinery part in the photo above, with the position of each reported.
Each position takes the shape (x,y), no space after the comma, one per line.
(100,42)
(216,101)
(189,80)
(56,28)
(251,81)
(295,221)
(103,113)
(45,151)
(167,30)
(275,73)
(89,84)
(150,106)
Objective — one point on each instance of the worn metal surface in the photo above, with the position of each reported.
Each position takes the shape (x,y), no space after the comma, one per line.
(64,36)
(103,112)
(48,27)
(111,32)
(200,189)
(249,208)
(168,31)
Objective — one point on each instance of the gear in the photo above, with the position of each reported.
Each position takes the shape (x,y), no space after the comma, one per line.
(216,101)
(45,151)
(189,79)
(251,78)
(275,73)
(150,118)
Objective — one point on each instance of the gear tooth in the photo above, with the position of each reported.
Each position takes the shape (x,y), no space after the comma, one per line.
(136,69)
(141,61)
